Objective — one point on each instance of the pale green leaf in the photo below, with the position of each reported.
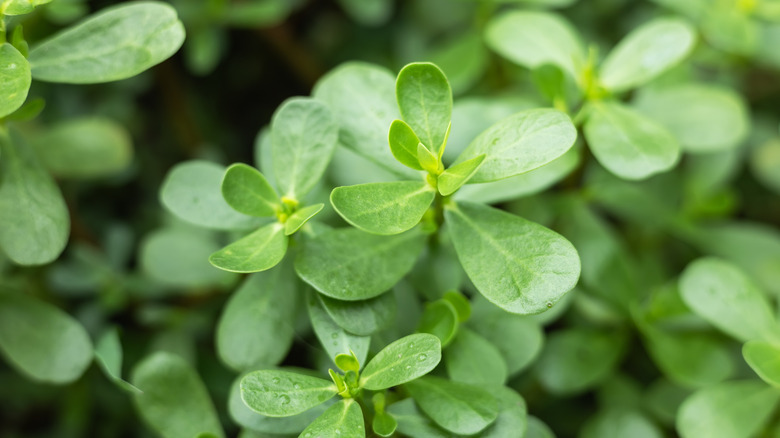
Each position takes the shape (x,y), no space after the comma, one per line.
(620,423)
(179,258)
(646,52)
(364,317)
(256,328)
(425,100)
(15,79)
(440,318)
(470,358)
(764,358)
(737,409)
(453,178)
(402,361)
(34,220)
(164,378)
(383,208)
(512,416)
(627,143)
(506,331)
(19,7)
(723,295)
(361,97)
(458,407)
(247,191)
(533,38)
(495,249)
(116,43)
(41,341)
(333,338)
(258,251)
(428,160)
(349,264)
(343,419)
(712,119)
(520,143)
(303,137)
(384,424)
(403,144)
(730,30)
(411,422)
(191,191)
(577,359)
(108,353)
(300,217)
(284,393)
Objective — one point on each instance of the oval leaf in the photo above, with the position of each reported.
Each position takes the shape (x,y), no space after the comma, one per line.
(15,79)
(256,252)
(333,338)
(506,331)
(34,221)
(41,341)
(403,144)
(493,247)
(247,191)
(349,264)
(283,393)
(425,100)
(440,318)
(647,52)
(470,358)
(300,217)
(453,178)
(303,138)
(383,208)
(343,419)
(108,354)
(255,328)
(164,377)
(458,407)
(402,361)
(764,358)
(723,295)
(628,144)
(116,43)
(364,317)
(520,143)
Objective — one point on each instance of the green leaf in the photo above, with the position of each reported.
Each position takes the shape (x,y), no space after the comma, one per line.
(34,221)
(250,419)
(41,341)
(28,111)
(737,409)
(108,354)
(450,54)
(284,393)
(364,317)
(520,143)
(178,257)
(411,422)
(425,100)
(493,247)
(403,144)
(532,39)
(164,378)
(458,407)
(713,118)
(506,331)
(384,424)
(347,362)
(349,264)
(646,52)
(577,359)
(440,318)
(15,79)
(247,191)
(628,144)
(261,250)
(460,303)
(383,208)
(470,358)
(765,164)
(453,178)
(20,7)
(303,137)
(537,429)
(256,328)
(764,358)
(191,191)
(343,419)
(723,295)
(333,338)
(300,217)
(116,43)
(619,423)
(402,361)
(428,160)
(512,415)
(361,97)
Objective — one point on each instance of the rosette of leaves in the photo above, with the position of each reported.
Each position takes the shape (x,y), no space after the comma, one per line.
(623,140)
(493,246)
(113,44)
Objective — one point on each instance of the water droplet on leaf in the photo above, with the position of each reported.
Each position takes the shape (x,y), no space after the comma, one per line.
(275,380)
(422,357)
(285,399)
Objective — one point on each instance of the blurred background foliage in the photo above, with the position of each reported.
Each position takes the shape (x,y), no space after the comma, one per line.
(623,351)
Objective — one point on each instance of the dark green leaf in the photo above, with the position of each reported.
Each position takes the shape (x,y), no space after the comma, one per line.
(108,353)
(470,358)
(458,407)
(333,338)
(440,318)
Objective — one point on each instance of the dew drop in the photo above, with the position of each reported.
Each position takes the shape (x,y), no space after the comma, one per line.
(334,335)
(335,344)
(408,367)
(549,304)
(422,357)
(411,345)
(285,399)
(399,355)
(275,380)
(308,434)
(297,386)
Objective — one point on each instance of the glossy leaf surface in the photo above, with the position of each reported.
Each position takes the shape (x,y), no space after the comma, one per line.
(260,250)
(343,419)
(284,393)
(458,407)
(402,361)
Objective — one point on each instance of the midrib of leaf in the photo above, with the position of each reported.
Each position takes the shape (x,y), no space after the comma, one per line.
(261,247)
(297,156)
(373,251)
(16,172)
(425,115)
(453,400)
(390,204)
